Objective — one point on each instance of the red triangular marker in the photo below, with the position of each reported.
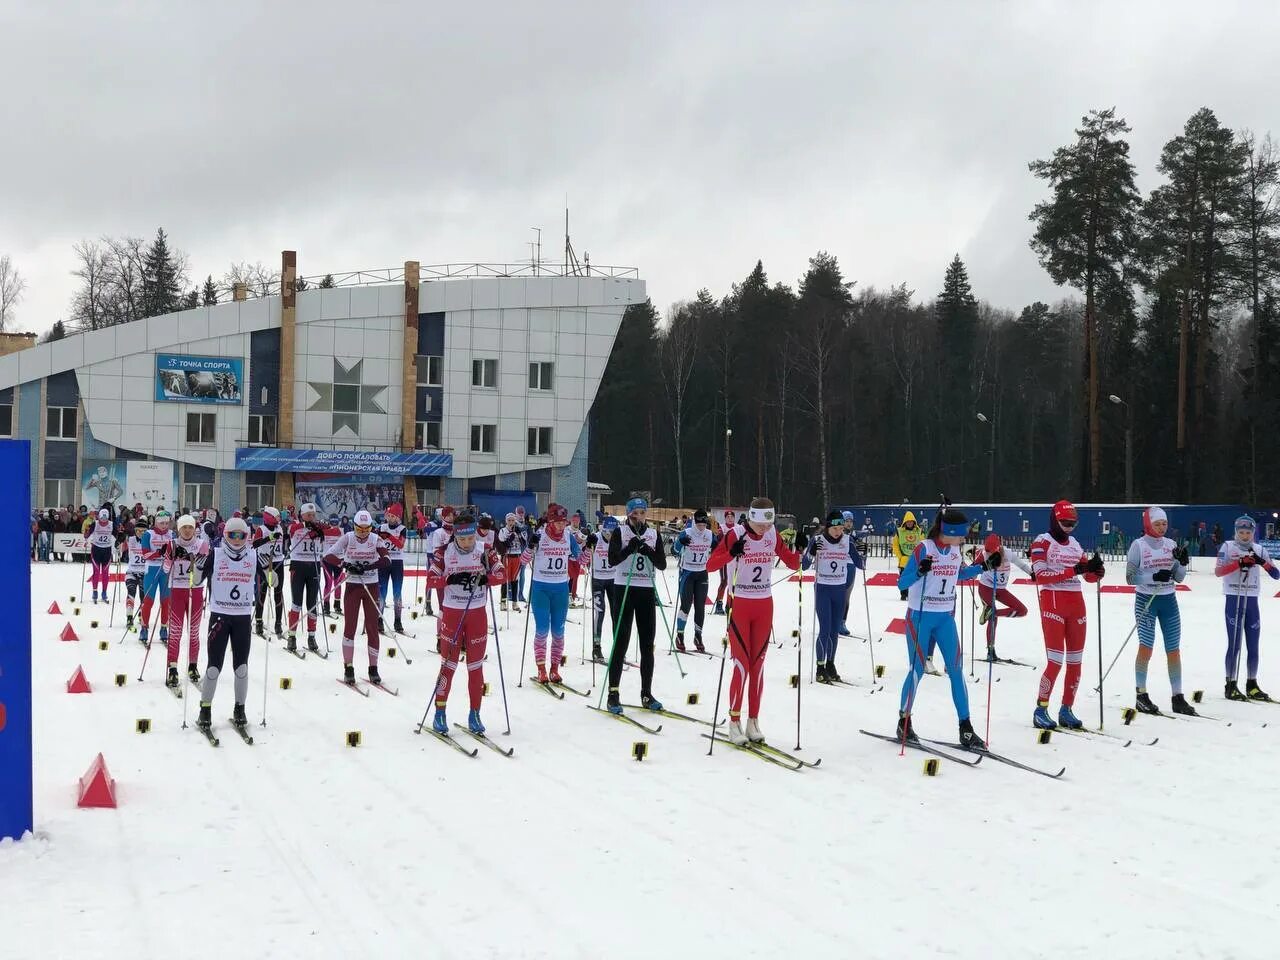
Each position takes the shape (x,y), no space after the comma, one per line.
(68,633)
(97,789)
(55,609)
(896,625)
(79,683)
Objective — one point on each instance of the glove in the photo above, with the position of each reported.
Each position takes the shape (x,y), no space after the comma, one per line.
(534,537)
(481,579)
(179,553)
(802,540)
(351,567)
(1081,567)
(925,565)
(739,547)
(460,579)
(317,531)
(995,561)
(1095,565)
(1248,560)
(1182,555)
(590,541)
(636,545)
(1162,576)
(274,534)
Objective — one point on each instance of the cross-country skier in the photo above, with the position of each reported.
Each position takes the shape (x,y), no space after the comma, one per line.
(857,562)
(232,569)
(932,571)
(334,577)
(635,551)
(1057,564)
(993,588)
(467,567)
(185,571)
(306,546)
(905,539)
(1239,563)
(136,569)
(436,542)
(603,588)
(394,534)
(724,571)
(752,548)
(361,555)
(155,582)
(102,538)
(512,541)
(831,554)
(547,555)
(575,566)
(693,546)
(269,544)
(1155,566)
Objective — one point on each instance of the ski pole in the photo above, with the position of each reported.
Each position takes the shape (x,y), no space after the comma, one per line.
(724,655)
(115,588)
(866,600)
(524,644)
(1101,675)
(149,639)
(1128,637)
(620,615)
(990,662)
(502,681)
(799,645)
(190,575)
(266,658)
(444,660)
(1239,620)
(670,635)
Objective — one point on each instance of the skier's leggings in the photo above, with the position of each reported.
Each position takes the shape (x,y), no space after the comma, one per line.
(829,601)
(550,605)
(462,634)
(155,585)
(275,588)
(101,557)
(234,630)
(393,576)
(186,606)
(1062,621)
(360,595)
(304,589)
(1164,608)
(511,569)
(750,623)
(1249,627)
(602,592)
(640,605)
(693,593)
(941,629)
(132,585)
(1013,607)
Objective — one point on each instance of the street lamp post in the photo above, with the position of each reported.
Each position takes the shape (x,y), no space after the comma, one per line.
(728,434)
(1128,447)
(991,461)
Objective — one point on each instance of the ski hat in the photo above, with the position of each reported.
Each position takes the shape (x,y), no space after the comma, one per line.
(141,522)
(637,503)
(556,513)
(464,525)
(699,516)
(104,514)
(486,521)
(1245,522)
(395,510)
(235,525)
(509,516)
(846,516)
(162,516)
(447,514)
(953,523)
(363,519)
(836,518)
(609,523)
(991,544)
(1149,517)
(307,508)
(186,520)
(270,516)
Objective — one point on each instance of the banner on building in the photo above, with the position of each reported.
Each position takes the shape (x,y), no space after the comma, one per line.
(416,464)
(341,495)
(102,481)
(152,483)
(199,379)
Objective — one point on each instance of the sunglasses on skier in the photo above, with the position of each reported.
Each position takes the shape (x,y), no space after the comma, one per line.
(1067,524)
(236,536)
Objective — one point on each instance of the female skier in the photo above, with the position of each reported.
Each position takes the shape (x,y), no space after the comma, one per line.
(393,533)
(993,587)
(306,545)
(155,582)
(602,583)
(635,551)
(1244,555)
(136,569)
(512,541)
(185,571)
(1155,566)
(361,555)
(232,569)
(693,546)
(102,539)
(548,554)
(831,553)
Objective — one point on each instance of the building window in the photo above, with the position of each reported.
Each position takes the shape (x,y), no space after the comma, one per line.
(427,435)
(262,429)
(484,437)
(539,441)
(60,423)
(197,496)
(202,428)
(1026,526)
(259,495)
(346,398)
(430,371)
(484,373)
(60,493)
(6,420)
(542,375)
(1106,527)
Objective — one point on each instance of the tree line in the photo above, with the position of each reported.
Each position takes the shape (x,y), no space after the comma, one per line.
(824,393)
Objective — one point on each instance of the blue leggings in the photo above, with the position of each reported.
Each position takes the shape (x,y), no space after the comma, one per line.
(924,630)
(1164,608)
(1249,630)
(829,599)
(394,575)
(153,577)
(549,603)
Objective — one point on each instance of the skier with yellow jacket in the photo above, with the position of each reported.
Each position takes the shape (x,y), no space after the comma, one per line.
(904,542)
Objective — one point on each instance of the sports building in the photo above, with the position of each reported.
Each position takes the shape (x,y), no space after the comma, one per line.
(459,384)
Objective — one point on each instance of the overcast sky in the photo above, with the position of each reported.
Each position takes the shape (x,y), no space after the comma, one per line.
(690,139)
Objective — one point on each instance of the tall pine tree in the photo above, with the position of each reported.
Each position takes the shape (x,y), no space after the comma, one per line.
(161,283)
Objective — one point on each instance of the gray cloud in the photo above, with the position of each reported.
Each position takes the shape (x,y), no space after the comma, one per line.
(689,139)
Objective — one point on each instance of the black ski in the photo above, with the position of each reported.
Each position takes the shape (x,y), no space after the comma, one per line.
(353,686)
(445,738)
(924,748)
(752,749)
(176,691)
(564,686)
(547,687)
(1007,662)
(300,654)
(1089,733)
(395,692)
(999,758)
(481,738)
(240,728)
(762,745)
(626,719)
(207,732)
(671,713)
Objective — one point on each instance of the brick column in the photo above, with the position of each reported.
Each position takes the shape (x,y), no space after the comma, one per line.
(409,372)
(288,325)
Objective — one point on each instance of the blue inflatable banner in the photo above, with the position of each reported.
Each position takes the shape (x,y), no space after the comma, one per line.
(415,464)
(16,814)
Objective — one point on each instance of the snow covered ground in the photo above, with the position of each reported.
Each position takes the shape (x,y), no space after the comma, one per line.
(301,846)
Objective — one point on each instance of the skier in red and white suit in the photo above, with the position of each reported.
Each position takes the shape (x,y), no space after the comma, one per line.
(752,550)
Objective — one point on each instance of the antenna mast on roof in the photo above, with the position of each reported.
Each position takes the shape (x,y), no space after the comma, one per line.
(572,267)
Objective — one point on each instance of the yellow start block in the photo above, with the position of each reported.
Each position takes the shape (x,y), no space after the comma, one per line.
(353,738)
(120,679)
(286,683)
(691,699)
(931,767)
(391,651)
(880,670)
(103,645)
(795,680)
(142,725)
(1044,736)
(93,625)
(639,750)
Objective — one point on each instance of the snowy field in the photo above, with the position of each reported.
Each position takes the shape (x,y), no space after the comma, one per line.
(301,846)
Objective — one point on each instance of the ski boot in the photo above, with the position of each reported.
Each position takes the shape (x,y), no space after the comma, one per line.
(902,594)
(337,607)
(193,673)
(328,611)
(311,643)
(441,723)
(172,680)
(596,653)
(279,629)
(164,635)
(1142,703)
(503,605)
(1233,692)
(349,675)
(930,669)
(238,717)
(1041,719)
(843,631)
(719,608)
(1255,692)
(554,675)
(542,674)
(832,675)
(474,724)
(985,615)
(142,636)
(968,738)
(432,613)
(205,720)
(128,622)
(754,733)
(697,643)
(396,625)
(650,702)
(95,596)
(615,701)
(736,736)
(374,676)
(680,643)
(1068,719)
(291,642)
(821,674)
(258,628)
(992,656)
(382,624)
(1181,706)
(906,731)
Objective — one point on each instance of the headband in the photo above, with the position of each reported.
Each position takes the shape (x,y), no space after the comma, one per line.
(761,514)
